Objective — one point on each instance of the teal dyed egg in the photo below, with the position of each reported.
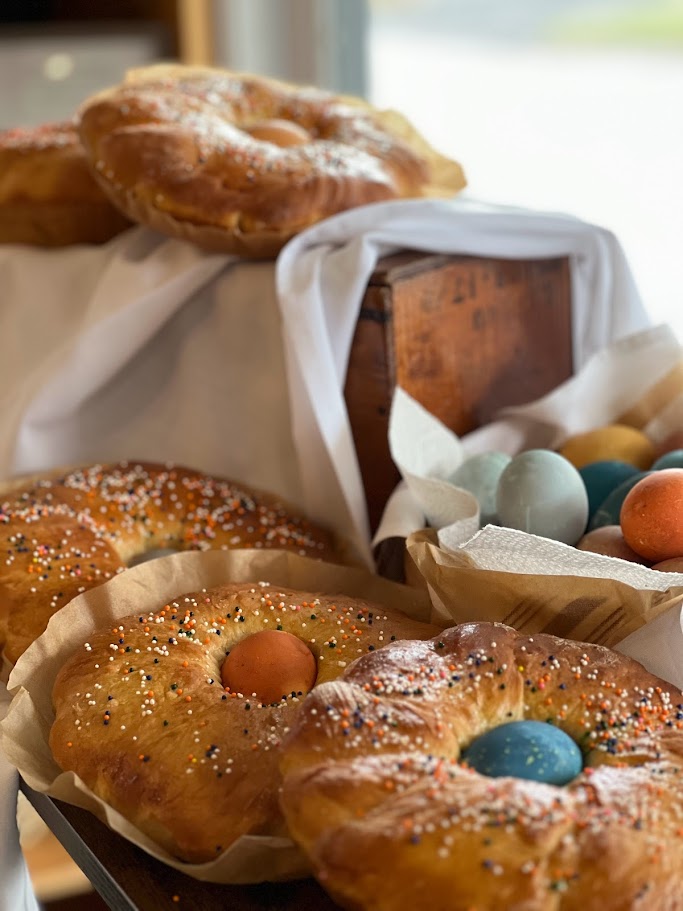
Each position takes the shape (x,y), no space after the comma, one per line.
(609,511)
(601,478)
(673,459)
(535,750)
(480,475)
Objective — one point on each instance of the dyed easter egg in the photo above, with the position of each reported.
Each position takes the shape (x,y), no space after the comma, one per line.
(601,478)
(280,132)
(615,441)
(673,440)
(270,664)
(609,511)
(535,750)
(673,459)
(540,492)
(674,565)
(480,475)
(652,515)
(609,541)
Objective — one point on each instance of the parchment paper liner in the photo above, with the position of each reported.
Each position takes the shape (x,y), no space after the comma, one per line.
(147,587)
(542,586)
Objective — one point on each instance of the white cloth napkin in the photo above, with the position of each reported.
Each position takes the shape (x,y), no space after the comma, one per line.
(16,893)
(321,278)
(149,348)
(146,348)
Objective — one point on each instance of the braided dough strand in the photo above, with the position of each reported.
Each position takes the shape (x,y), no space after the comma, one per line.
(177,148)
(62,535)
(142,717)
(392,820)
(48,197)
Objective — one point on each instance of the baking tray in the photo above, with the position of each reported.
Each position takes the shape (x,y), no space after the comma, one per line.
(128,879)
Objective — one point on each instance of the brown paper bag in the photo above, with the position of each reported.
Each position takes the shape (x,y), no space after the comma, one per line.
(586,596)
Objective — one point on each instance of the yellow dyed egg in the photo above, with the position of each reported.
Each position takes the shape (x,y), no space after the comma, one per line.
(614,441)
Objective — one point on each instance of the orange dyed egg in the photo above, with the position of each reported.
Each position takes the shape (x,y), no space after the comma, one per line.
(270,665)
(651,516)
(609,541)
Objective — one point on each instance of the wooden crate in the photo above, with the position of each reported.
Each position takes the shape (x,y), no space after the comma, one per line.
(462,335)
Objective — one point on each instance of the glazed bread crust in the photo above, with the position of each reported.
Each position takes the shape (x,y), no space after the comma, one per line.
(391,819)
(172,147)
(48,197)
(61,536)
(143,720)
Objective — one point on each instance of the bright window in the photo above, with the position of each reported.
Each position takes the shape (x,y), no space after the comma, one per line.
(558,105)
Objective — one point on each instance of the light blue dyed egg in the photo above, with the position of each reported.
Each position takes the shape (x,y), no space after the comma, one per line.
(609,511)
(601,478)
(542,493)
(535,750)
(480,475)
(673,459)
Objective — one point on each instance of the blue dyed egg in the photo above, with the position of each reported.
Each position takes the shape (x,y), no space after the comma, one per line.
(673,459)
(609,511)
(480,475)
(535,750)
(541,492)
(601,478)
